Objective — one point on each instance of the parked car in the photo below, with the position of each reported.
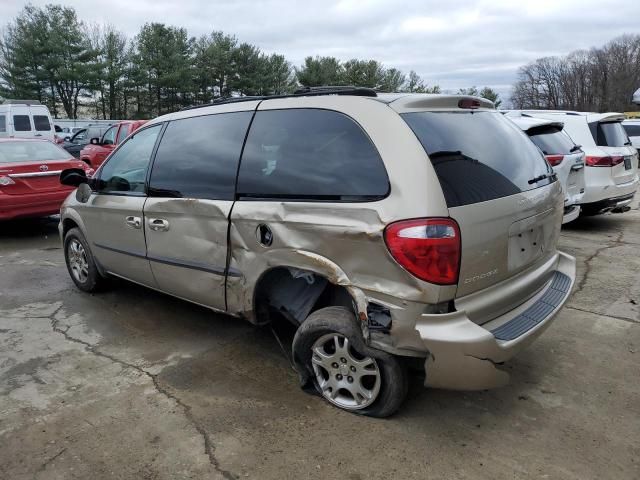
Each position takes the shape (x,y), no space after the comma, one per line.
(25,119)
(383,227)
(29,177)
(566,158)
(82,137)
(632,127)
(100,147)
(611,163)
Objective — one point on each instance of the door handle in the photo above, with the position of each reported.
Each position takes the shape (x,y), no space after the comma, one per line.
(133,222)
(158,224)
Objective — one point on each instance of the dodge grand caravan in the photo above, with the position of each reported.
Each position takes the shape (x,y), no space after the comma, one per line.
(381,226)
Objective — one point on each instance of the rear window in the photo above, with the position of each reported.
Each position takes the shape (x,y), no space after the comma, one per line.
(3,123)
(30,151)
(479,156)
(21,123)
(632,130)
(41,122)
(310,154)
(611,134)
(551,141)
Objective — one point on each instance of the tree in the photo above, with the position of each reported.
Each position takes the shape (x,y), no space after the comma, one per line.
(415,84)
(392,80)
(492,95)
(320,71)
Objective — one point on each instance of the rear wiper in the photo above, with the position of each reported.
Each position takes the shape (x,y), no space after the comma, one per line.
(575,148)
(539,178)
(628,143)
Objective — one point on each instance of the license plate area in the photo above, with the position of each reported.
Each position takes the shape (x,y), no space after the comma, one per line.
(530,238)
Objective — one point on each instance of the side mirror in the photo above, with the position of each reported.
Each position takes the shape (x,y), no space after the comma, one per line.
(94,141)
(73,177)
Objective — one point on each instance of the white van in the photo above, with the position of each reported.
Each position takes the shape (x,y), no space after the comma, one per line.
(25,119)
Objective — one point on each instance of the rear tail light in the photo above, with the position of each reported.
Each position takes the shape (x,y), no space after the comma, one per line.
(428,248)
(603,161)
(4,181)
(554,159)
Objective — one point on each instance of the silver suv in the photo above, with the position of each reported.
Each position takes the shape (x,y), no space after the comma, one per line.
(382,226)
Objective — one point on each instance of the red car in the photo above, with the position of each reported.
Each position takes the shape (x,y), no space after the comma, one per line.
(29,177)
(99,148)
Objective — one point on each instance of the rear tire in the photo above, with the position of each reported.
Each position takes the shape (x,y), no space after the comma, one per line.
(329,351)
(80,263)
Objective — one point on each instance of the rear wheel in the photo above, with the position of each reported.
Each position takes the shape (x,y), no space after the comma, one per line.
(329,349)
(80,262)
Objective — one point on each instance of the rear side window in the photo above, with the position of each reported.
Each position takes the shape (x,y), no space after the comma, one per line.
(551,141)
(478,156)
(21,123)
(632,130)
(3,123)
(198,157)
(310,154)
(122,134)
(41,122)
(611,134)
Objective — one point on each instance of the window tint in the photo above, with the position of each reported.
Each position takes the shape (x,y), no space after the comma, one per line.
(21,123)
(551,141)
(632,130)
(3,123)
(122,134)
(126,169)
(478,156)
(198,157)
(109,136)
(611,134)
(41,122)
(309,154)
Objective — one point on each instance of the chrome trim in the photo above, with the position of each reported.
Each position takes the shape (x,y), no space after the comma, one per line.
(35,174)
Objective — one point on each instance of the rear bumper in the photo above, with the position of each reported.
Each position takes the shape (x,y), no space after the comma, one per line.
(608,204)
(463,355)
(571,213)
(31,205)
(601,186)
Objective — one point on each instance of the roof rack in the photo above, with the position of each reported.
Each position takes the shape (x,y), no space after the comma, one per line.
(21,102)
(301,92)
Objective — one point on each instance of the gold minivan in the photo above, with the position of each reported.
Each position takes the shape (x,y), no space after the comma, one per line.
(382,226)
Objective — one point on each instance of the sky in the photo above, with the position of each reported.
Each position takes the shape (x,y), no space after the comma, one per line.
(453,43)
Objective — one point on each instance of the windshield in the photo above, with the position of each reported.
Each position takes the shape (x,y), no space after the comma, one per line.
(611,134)
(552,141)
(30,151)
(479,156)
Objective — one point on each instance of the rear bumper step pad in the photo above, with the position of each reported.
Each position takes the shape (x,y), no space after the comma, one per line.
(537,312)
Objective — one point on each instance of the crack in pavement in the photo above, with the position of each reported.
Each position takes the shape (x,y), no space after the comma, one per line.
(614,317)
(613,243)
(208,447)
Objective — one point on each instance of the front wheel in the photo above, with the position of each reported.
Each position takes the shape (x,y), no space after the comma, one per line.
(328,349)
(80,262)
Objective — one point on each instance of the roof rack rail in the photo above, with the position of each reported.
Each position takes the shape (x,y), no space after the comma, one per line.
(301,92)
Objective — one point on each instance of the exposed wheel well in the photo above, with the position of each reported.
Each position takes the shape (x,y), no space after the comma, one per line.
(67,225)
(292,293)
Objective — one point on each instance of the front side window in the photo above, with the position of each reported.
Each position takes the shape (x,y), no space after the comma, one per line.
(80,137)
(21,123)
(611,134)
(3,123)
(41,122)
(552,141)
(109,136)
(198,157)
(125,171)
(310,154)
(479,156)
